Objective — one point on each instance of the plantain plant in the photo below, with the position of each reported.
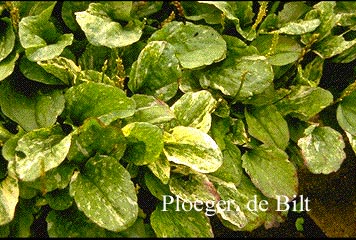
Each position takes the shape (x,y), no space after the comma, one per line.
(108,108)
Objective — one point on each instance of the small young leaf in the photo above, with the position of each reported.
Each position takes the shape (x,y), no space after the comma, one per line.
(145,142)
(193,187)
(194,110)
(92,138)
(271,171)
(193,148)
(171,223)
(151,110)
(322,149)
(59,199)
(103,190)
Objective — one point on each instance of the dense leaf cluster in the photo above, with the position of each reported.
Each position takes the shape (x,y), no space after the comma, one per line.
(203,100)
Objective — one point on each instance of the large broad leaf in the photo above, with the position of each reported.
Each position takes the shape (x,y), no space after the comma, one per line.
(156,71)
(23,220)
(7,66)
(92,138)
(151,110)
(193,148)
(195,45)
(7,38)
(322,149)
(346,113)
(31,111)
(9,195)
(103,190)
(196,11)
(101,27)
(171,223)
(193,187)
(268,125)
(40,38)
(40,151)
(145,142)
(33,71)
(68,13)
(304,102)
(334,45)
(106,102)
(194,110)
(271,171)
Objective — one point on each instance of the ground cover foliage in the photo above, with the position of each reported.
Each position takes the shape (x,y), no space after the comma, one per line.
(107,107)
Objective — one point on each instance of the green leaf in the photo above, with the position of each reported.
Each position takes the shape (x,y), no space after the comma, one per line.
(32,8)
(171,223)
(241,77)
(196,11)
(300,27)
(156,187)
(156,71)
(7,38)
(68,13)
(92,138)
(145,142)
(90,99)
(161,168)
(304,102)
(4,231)
(192,187)
(7,66)
(72,223)
(9,195)
(231,169)
(194,110)
(352,141)
(322,149)
(21,224)
(268,125)
(103,190)
(40,38)
(271,171)
(333,45)
(59,199)
(40,151)
(240,13)
(292,11)
(101,27)
(62,68)
(151,110)
(346,113)
(31,111)
(56,178)
(279,51)
(195,45)
(33,71)
(324,11)
(193,148)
